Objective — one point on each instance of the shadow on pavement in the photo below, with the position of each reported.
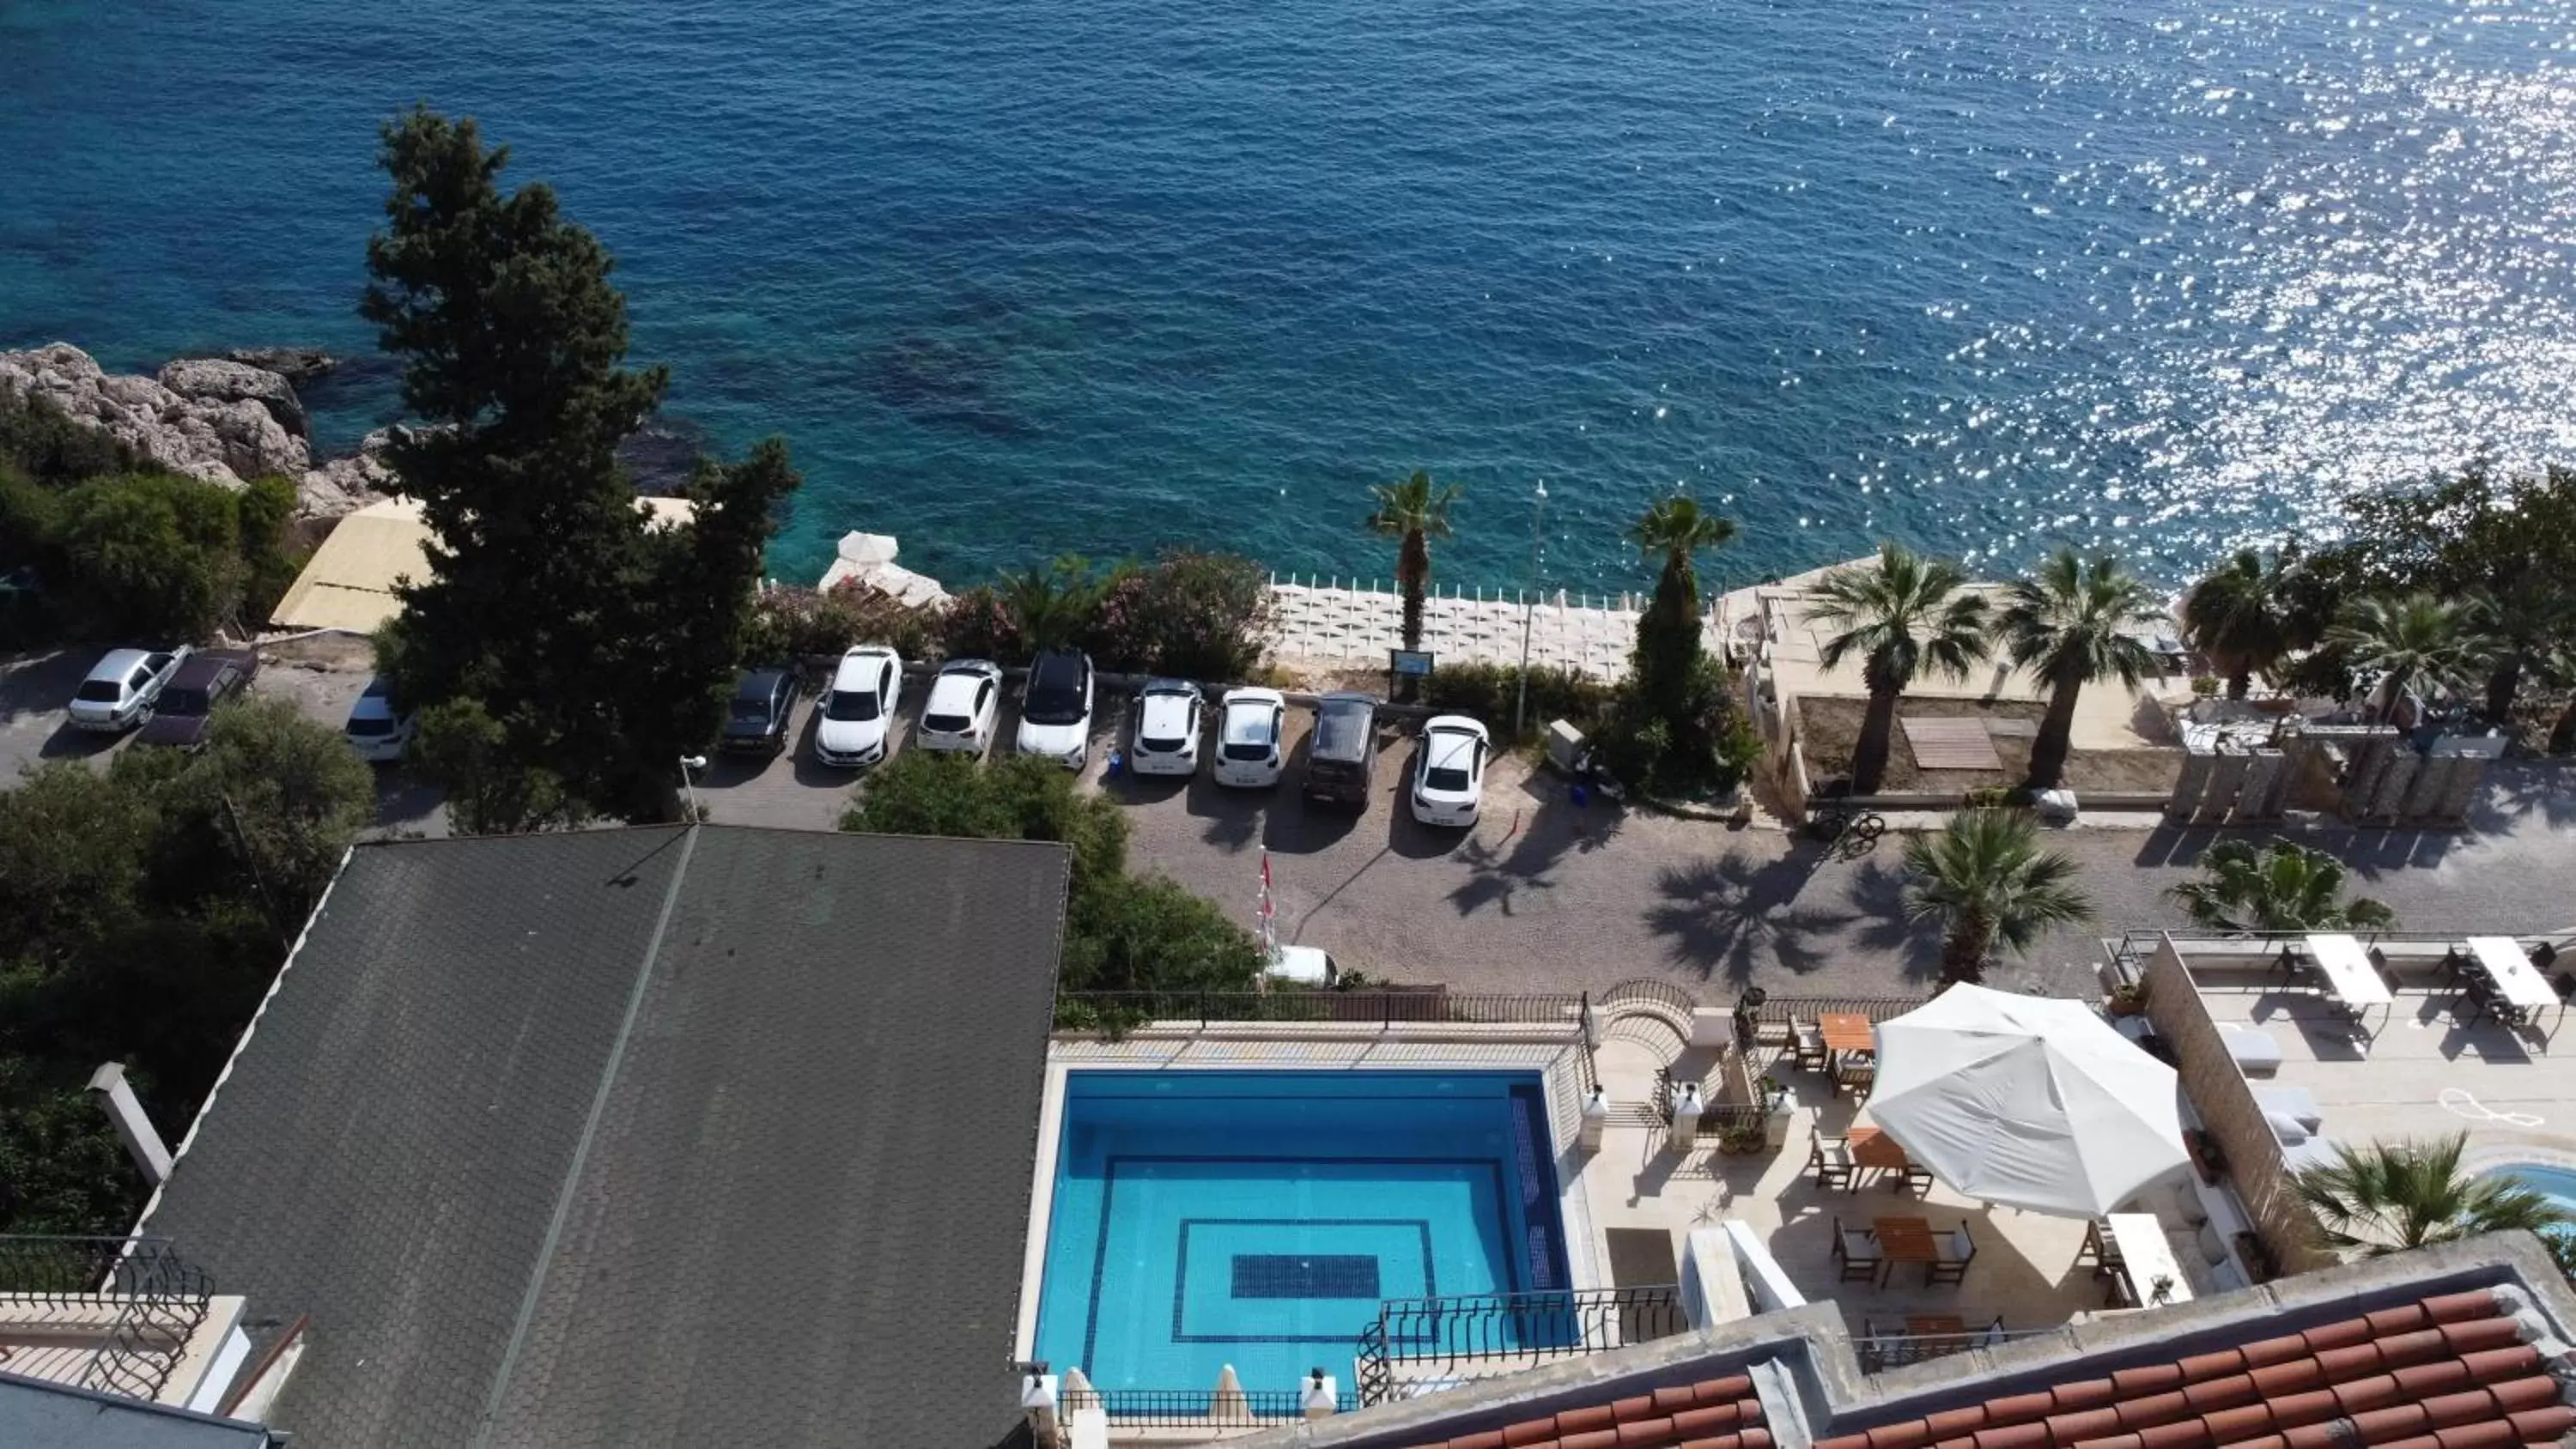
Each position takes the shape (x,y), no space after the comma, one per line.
(68,743)
(43,682)
(2368,851)
(1515,849)
(1233,816)
(1729,916)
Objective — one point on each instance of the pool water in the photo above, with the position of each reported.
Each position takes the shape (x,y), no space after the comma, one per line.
(2558,1184)
(1258,1218)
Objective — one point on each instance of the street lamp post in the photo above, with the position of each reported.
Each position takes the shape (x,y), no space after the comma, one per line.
(1529,609)
(688,787)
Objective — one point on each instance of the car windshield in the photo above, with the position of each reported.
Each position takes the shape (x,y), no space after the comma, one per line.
(371,724)
(1341,730)
(100,691)
(946,724)
(851,704)
(751,711)
(1055,696)
(181,701)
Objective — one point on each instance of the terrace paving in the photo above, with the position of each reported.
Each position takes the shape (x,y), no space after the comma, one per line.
(2024,1273)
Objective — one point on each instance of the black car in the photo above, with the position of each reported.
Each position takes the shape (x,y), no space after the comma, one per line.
(764,700)
(1343,756)
(187,703)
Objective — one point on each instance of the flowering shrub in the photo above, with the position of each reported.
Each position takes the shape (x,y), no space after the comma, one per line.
(792,624)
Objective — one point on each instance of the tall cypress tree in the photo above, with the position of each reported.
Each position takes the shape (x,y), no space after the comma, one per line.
(594,642)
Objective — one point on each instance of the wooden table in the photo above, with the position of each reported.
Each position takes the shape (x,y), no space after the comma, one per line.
(1847,1031)
(2516,979)
(1905,1240)
(1874,1149)
(2145,1256)
(1935,1325)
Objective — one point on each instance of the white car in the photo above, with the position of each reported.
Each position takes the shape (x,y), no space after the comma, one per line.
(1251,738)
(964,701)
(1055,712)
(1449,771)
(854,720)
(375,730)
(120,689)
(1167,729)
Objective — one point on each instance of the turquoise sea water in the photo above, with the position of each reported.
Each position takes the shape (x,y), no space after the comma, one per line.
(1034,276)
(1258,1219)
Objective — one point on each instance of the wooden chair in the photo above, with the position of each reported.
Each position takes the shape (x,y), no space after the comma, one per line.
(1954,1251)
(1830,1159)
(2543,954)
(1917,1179)
(2452,962)
(1806,1045)
(1856,1075)
(1857,1251)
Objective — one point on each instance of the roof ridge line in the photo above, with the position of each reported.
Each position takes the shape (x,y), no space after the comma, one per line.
(526,1318)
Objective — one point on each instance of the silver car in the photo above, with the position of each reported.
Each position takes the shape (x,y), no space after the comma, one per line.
(120,690)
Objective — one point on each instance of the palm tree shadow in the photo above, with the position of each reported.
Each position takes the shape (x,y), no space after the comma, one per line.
(1730,916)
(1498,871)
(1877,894)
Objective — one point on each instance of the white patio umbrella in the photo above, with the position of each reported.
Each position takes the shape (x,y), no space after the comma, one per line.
(2026,1101)
(867,548)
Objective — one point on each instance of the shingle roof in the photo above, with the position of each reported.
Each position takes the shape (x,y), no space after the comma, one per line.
(2448,1372)
(642,1136)
(1712,1414)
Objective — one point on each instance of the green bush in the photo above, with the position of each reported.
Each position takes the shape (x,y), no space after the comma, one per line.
(790,625)
(151,555)
(1122,933)
(1708,749)
(1189,614)
(979,625)
(51,448)
(1490,692)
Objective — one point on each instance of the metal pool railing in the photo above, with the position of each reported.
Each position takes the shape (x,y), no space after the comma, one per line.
(1127,1010)
(1197,1408)
(1451,1337)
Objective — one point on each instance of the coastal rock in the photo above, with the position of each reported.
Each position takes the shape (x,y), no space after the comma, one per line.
(345,485)
(207,379)
(298,365)
(224,436)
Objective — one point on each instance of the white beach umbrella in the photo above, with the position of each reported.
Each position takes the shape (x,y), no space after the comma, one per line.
(867,548)
(2026,1101)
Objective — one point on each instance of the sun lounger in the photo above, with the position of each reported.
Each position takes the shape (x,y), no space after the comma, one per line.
(2255,1053)
(2315,1152)
(2295,1103)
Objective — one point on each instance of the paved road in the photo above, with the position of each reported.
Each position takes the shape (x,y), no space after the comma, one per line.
(1546,896)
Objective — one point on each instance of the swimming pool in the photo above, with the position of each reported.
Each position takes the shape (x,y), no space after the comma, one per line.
(2558,1184)
(1258,1218)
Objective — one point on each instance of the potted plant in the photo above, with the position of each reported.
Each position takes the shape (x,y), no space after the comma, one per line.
(1742,1141)
(2206,1155)
(2128,998)
(1777,1105)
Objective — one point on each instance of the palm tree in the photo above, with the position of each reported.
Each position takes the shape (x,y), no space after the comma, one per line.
(2239,614)
(1668,644)
(1053,605)
(2386,1197)
(2069,623)
(2285,887)
(1985,878)
(1415,512)
(2419,644)
(1902,618)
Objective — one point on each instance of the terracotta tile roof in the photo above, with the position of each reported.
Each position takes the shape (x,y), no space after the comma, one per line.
(2451,1372)
(1716,1414)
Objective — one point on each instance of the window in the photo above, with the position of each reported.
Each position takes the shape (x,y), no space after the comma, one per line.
(1055,691)
(851,704)
(100,691)
(142,677)
(753,710)
(371,726)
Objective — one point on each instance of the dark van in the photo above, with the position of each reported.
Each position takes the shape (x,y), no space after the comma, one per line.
(1344,751)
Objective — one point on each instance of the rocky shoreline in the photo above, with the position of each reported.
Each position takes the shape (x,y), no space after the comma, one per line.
(236,417)
(220,419)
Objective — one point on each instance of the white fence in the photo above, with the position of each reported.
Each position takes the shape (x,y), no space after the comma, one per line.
(1357,622)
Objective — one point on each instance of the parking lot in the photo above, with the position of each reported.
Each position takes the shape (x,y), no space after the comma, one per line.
(1543,894)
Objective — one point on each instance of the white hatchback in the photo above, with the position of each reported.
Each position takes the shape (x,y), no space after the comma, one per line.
(1167,728)
(1251,736)
(854,723)
(964,701)
(376,730)
(1449,771)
